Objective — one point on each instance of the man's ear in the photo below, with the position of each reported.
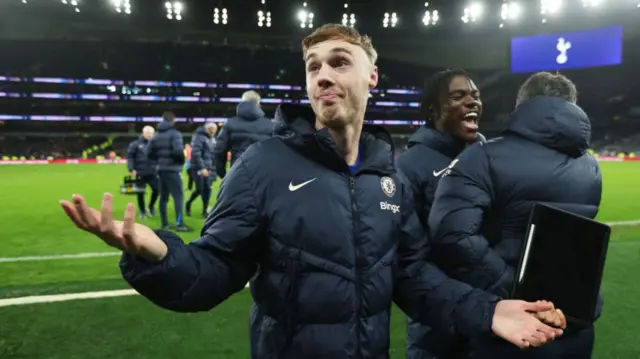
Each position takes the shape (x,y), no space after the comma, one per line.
(373,79)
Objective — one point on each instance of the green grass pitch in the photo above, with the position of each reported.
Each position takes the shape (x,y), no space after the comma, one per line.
(34,225)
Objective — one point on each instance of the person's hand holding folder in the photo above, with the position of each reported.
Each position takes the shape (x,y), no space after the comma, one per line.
(562,260)
(512,321)
(554,317)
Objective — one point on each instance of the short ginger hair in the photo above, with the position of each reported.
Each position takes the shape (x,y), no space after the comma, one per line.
(340,32)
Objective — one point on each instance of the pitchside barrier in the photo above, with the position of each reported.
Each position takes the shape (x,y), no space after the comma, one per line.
(79,161)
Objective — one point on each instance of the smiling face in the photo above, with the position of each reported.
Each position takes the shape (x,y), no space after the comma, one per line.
(339,76)
(147,132)
(461,109)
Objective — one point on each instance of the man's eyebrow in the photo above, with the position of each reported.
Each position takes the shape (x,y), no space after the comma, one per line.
(334,50)
(463,91)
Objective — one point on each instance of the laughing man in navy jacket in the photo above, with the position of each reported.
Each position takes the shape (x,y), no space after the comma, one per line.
(452,108)
(482,205)
(320,222)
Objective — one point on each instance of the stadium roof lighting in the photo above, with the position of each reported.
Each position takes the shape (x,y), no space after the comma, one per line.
(472,13)
(430,17)
(550,7)
(122,6)
(510,11)
(349,19)
(73,3)
(591,3)
(220,16)
(305,17)
(174,10)
(390,20)
(264,19)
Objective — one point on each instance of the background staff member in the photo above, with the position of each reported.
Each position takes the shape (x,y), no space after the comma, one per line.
(166,148)
(143,169)
(202,168)
(249,126)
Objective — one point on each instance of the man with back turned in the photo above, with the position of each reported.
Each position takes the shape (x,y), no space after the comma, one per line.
(202,168)
(249,126)
(167,150)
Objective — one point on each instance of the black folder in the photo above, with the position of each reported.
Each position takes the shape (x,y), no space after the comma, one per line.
(562,260)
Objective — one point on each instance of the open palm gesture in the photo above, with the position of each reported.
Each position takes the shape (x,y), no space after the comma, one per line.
(125,235)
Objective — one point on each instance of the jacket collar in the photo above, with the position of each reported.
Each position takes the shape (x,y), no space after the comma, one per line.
(295,125)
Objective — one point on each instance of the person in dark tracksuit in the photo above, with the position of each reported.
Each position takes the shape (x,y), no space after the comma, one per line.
(452,108)
(202,168)
(482,206)
(143,169)
(166,148)
(322,225)
(249,126)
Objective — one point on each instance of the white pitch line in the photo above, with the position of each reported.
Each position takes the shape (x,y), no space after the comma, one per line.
(624,223)
(65,297)
(40,299)
(113,293)
(113,254)
(59,256)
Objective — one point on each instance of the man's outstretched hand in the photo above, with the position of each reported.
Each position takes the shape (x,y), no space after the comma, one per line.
(516,321)
(126,235)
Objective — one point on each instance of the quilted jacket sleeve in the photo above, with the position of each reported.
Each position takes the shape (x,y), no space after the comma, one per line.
(463,197)
(426,294)
(202,274)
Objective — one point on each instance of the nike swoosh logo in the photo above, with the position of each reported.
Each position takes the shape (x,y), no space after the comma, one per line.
(293,188)
(437,174)
(450,166)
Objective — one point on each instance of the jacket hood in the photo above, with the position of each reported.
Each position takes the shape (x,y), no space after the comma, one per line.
(202,131)
(554,123)
(165,126)
(439,141)
(295,124)
(249,110)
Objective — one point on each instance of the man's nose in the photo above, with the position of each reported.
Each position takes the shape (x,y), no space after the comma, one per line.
(325,76)
(472,103)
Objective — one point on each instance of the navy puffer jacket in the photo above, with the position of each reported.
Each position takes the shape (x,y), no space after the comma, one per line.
(326,251)
(166,149)
(138,159)
(426,159)
(202,144)
(249,126)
